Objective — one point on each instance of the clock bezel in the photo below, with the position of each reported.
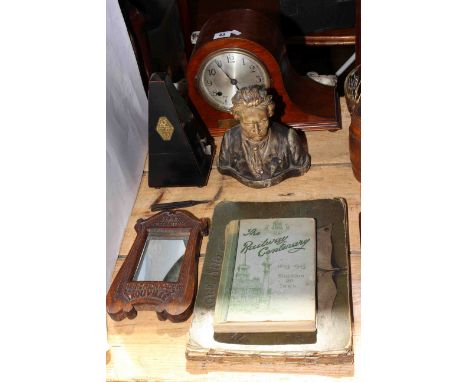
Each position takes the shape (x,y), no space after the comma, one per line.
(208,58)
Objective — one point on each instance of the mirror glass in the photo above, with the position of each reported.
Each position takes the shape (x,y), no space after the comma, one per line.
(161,258)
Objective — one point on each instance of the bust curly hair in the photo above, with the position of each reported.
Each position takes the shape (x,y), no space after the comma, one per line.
(251,96)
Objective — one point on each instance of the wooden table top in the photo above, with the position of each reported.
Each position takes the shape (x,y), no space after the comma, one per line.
(148,349)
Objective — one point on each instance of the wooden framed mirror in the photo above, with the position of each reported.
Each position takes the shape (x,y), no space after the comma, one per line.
(161,270)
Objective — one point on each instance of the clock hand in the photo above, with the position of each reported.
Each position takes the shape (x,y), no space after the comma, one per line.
(233,80)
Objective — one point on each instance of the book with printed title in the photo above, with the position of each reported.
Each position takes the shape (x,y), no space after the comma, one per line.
(268,277)
(331,343)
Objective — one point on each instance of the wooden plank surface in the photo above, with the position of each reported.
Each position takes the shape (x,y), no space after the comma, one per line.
(148,349)
(331,37)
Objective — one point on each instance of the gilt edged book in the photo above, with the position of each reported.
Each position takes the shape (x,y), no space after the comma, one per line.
(268,277)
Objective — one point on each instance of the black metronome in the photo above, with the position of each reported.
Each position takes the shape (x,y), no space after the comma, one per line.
(181,149)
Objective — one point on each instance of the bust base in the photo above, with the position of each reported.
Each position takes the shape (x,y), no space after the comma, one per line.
(264,183)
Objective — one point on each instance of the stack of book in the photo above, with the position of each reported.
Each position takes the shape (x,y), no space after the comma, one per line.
(275,285)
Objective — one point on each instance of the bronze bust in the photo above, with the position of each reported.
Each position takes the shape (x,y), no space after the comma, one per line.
(257,152)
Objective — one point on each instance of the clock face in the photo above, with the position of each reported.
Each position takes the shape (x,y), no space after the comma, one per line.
(226,71)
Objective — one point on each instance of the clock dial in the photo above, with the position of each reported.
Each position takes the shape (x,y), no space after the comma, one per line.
(226,71)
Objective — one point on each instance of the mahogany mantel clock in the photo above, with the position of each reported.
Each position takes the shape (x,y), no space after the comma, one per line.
(243,47)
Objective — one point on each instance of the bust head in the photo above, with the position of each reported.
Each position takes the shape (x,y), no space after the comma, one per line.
(252,107)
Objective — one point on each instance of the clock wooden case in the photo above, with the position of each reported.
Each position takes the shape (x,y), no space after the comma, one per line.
(173,296)
(255,41)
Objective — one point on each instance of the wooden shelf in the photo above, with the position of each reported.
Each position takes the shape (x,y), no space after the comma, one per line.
(148,349)
(346,36)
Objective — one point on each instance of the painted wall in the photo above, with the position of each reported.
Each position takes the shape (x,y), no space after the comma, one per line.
(126,134)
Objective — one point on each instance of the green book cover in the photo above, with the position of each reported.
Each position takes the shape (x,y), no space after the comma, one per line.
(268,276)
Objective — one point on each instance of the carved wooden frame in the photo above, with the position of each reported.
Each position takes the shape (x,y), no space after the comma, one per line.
(172,300)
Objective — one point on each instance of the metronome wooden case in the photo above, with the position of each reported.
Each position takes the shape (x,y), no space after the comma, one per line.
(181,149)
